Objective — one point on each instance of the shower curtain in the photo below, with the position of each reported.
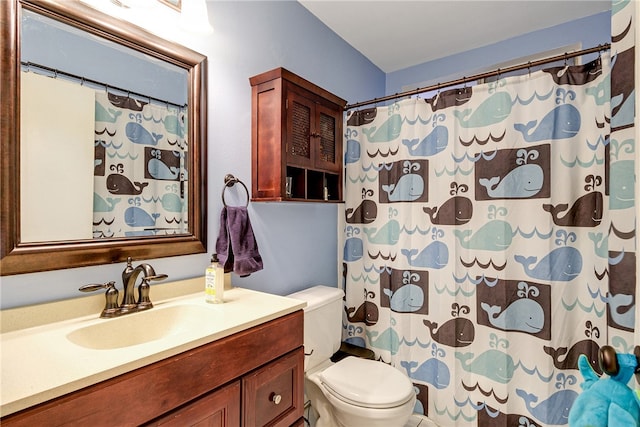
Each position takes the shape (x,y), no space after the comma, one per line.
(490,239)
(140,168)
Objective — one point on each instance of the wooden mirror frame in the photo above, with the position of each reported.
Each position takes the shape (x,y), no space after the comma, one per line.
(17,257)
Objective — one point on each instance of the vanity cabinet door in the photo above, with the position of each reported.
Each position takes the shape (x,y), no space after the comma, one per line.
(273,394)
(220,408)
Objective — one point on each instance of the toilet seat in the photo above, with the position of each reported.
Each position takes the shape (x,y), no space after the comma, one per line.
(367,383)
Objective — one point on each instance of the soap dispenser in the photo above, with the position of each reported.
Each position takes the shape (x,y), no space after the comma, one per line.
(214,282)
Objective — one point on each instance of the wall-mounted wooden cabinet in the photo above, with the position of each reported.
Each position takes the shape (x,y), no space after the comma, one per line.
(296,139)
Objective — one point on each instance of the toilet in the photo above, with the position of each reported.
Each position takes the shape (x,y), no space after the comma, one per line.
(352,392)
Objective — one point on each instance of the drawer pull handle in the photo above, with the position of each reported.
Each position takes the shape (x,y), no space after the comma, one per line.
(276,398)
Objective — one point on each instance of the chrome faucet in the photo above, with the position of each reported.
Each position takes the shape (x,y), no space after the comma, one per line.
(129,303)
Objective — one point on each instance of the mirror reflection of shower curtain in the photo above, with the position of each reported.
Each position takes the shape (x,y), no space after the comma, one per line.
(478,246)
(140,176)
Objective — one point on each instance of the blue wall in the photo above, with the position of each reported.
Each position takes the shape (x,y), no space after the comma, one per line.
(590,31)
(298,241)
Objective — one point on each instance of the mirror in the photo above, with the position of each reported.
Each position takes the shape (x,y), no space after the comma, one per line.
(73,74)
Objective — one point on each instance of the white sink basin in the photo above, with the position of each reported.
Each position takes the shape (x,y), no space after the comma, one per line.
(139,328)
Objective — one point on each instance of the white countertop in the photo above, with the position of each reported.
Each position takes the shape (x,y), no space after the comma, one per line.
(40,363)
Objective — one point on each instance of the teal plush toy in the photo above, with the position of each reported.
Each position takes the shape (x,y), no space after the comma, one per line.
(607,402)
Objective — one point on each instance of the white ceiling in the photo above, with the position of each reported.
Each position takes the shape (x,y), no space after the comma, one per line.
(398,34)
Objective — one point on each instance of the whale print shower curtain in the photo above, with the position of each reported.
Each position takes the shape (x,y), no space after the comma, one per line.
(140,169)
(490,239)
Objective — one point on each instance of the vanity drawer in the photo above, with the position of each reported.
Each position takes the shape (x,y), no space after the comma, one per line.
(272,395)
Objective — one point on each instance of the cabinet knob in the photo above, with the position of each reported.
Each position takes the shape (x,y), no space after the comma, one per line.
(276,398)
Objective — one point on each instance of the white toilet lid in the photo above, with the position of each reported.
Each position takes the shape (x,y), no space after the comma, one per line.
(367,383)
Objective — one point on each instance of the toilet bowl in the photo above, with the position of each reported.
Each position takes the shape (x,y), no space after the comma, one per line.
(352,392)
(361,393)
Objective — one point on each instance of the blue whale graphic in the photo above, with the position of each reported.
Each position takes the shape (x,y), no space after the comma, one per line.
(560,265)
(523,181)
(432,144)
(496,235)
(388,131)
(554,410)
(137,217)
(560,123)
(622,186)
(139,135)
(492,110)
(352,153)
(102,115)
(436,255)
(622,310)
(433,372)
(102,205)
(174,125)
(389,234)
(387,340)
(409,187)
(524,315)
(493,364)
(353,249)
(406,299)
(171,202)
(159,170)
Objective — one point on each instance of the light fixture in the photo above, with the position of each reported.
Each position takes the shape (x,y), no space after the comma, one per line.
(194,17)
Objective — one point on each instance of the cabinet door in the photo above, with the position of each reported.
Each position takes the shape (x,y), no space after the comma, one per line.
(273,395)
(300,114)
(327,139)
(220,408)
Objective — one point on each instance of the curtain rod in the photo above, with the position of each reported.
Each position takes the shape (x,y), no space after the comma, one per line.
(482,75)
(83,80)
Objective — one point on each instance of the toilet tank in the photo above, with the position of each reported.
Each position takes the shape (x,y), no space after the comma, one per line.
(322,323)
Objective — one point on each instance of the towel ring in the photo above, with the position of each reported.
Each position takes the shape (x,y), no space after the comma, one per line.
(230,181)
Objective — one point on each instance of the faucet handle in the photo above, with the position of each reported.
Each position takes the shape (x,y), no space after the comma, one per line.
(156,277)
(111,297)
(144,303)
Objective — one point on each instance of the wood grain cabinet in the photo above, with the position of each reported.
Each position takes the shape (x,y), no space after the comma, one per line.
(296,133)
(251,378)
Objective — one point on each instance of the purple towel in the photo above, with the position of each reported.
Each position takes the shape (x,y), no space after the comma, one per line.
(236,245)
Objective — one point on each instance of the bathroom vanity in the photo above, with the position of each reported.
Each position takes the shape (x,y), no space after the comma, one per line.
(243,366)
